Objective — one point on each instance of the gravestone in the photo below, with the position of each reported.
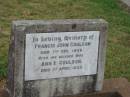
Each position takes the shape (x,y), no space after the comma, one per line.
(53,58)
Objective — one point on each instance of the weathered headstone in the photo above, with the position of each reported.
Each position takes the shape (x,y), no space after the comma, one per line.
(56,57)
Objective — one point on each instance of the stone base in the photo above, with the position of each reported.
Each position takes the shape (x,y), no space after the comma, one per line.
(118,87)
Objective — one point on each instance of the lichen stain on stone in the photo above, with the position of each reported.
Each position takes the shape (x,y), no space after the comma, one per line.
(30,90)
(74,26)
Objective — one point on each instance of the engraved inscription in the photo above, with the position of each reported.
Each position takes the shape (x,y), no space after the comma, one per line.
(61,54)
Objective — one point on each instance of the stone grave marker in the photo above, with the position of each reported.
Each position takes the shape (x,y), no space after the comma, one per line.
(53,58)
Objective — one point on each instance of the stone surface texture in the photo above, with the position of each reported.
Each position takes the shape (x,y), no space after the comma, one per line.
(125,4)
(116,87)
(18,87)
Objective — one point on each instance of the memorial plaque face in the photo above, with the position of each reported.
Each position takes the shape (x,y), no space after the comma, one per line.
(61,54)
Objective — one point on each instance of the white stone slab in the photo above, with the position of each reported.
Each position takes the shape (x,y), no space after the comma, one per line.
(61,54)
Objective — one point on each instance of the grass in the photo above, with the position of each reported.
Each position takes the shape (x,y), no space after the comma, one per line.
(118,49)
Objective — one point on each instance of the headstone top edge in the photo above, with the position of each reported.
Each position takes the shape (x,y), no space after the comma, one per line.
(59,21)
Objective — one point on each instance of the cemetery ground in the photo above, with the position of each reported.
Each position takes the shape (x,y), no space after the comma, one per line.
(118,42)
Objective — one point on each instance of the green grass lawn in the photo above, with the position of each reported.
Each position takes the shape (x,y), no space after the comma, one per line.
(118,42)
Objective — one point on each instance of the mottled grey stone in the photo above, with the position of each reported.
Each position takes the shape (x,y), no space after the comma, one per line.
(57,87)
